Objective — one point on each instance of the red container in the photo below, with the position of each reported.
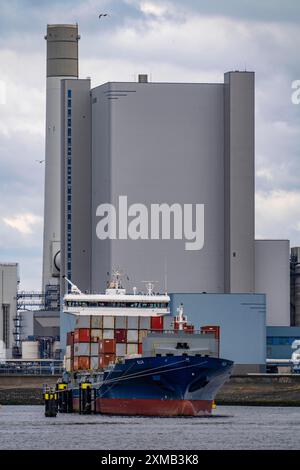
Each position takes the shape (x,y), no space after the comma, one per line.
(176,325)
(189,328)
(121,336)
(140,348)
(82,335)
(107,346)
(106,359)
(83,362)
(70,338)
(157,323)
(211,329)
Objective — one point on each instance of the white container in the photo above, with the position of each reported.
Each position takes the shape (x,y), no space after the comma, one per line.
(144,323)
(94,363)
(132,336)
(108,334)
(96,333)
(96,321)
(132,349)
(30,350)
(94,349)
(68,351)
(68,364)
(83,321)
(142,334)
(120,349)
(82,349)
(133,323)
(121,323)
(108,322)
(56,346)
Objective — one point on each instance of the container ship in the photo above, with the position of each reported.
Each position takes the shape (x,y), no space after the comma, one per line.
(129,356)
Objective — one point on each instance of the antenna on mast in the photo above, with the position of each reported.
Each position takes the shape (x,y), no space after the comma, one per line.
(150,286)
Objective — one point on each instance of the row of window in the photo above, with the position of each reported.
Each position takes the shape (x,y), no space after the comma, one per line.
(280,340)
(118,304)
(69,187)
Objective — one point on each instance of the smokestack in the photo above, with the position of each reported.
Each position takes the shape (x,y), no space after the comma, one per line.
(62,62)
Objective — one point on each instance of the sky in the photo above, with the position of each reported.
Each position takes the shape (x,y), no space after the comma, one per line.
(175,40)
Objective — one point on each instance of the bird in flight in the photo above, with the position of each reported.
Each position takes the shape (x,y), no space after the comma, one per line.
(40,161)
(102,14)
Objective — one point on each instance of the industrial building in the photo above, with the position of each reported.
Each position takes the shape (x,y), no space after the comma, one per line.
(160,143)
(272,277)
(8,314)
(280,340)
(121,153)
(242,321)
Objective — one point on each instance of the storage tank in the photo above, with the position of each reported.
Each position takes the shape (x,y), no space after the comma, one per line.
(30,350)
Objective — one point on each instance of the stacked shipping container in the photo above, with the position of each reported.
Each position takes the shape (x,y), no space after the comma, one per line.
(100,340)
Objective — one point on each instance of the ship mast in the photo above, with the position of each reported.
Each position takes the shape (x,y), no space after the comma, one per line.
(180,319)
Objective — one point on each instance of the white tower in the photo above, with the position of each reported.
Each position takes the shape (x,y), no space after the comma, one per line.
(62,62)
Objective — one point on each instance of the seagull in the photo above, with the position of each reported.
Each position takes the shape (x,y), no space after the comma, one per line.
(103,14)
(40,161)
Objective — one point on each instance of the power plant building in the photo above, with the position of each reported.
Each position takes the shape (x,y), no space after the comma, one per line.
(153,144)
(157,179)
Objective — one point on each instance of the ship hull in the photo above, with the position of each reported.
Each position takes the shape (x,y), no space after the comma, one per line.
(149,407)
(159,386)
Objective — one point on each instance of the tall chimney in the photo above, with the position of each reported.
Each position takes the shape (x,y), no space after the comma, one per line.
(62,62)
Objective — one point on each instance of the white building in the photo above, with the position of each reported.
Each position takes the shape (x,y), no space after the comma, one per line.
(9,279)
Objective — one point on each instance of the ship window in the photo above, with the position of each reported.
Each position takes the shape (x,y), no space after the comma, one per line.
(69,122)
(69,112)
(69,93)
(69,103)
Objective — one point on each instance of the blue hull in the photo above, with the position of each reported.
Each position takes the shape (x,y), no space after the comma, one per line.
(169,386)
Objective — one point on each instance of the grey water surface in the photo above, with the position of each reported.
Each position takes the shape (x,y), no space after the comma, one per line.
(230,427)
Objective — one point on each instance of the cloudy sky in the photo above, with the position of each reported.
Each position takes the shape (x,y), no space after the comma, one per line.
(176,40)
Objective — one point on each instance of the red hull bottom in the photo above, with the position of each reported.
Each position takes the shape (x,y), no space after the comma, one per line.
(149,407)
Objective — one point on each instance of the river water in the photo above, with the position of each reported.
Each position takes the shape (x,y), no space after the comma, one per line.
(230,427)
